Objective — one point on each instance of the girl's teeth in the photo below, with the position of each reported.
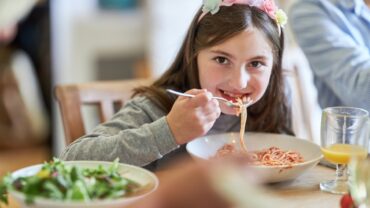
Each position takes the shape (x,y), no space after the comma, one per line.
(232,95)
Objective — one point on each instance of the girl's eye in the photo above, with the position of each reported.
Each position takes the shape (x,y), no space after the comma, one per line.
(255,64)
(221,60)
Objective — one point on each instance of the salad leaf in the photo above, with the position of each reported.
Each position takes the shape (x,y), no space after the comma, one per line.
(78,192)
(57,181)
(5,183)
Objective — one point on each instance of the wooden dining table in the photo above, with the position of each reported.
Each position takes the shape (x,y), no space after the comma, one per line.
(303,192)
(12,159)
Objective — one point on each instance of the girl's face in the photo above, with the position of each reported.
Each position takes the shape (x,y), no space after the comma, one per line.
(239,67)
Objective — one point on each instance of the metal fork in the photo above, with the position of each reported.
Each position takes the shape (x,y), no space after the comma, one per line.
(228,102)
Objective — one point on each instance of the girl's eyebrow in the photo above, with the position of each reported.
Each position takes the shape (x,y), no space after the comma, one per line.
(258,57)
(223,53)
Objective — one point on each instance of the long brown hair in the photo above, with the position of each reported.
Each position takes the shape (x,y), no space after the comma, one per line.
(270,114)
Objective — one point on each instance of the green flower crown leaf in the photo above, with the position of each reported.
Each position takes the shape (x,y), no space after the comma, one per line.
(212,6)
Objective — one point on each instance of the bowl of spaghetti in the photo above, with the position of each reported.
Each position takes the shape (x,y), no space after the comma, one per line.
(275,157)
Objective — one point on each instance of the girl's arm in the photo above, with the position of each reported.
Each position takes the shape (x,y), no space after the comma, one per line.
(138,135)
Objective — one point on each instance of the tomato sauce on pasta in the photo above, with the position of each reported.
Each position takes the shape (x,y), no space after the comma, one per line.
(272,156)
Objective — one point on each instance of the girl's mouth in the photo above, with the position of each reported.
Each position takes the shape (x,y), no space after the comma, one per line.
(233,96)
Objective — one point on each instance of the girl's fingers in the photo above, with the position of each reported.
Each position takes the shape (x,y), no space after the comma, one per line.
(210,117)
(196,91)
(212,106)
(200,97)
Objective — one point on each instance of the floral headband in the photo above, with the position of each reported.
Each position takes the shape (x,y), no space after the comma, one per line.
(268,6)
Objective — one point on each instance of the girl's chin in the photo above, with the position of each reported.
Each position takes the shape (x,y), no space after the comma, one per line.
(228,110)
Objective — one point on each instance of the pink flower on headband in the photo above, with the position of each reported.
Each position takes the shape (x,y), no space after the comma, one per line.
(267,6)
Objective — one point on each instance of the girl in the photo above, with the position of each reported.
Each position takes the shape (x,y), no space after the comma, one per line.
(233,49)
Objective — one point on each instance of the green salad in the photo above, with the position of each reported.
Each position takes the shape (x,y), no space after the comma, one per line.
(57,181)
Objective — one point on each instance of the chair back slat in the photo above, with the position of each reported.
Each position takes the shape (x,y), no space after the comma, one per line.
(70,108)
(106,110)
(104,94)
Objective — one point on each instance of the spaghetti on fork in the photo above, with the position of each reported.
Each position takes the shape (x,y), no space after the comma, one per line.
(272,156)
(242,110)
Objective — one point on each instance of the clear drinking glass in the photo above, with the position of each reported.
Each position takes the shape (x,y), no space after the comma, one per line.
(344,135)
(359,178)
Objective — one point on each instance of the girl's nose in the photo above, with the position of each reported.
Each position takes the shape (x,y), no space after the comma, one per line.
(240,78)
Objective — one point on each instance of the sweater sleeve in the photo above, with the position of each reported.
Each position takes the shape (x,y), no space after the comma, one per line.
(138,134)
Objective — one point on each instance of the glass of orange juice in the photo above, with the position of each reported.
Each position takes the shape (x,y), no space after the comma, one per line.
(344,136)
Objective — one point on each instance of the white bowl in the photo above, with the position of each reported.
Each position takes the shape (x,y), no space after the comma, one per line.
(206,147)
(145,178)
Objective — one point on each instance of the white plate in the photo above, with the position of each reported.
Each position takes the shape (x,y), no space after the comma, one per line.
(144,177)
(205,147)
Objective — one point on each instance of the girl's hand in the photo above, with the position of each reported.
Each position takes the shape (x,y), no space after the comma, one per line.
(193,117)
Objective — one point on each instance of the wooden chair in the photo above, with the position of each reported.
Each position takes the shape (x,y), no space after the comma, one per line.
(104,94)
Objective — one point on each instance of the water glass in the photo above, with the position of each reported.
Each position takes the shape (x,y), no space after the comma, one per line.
(344,136)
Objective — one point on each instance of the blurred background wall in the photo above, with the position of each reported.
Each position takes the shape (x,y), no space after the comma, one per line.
(25,73)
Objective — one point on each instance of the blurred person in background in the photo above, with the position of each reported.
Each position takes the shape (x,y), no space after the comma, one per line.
(24,61)
(334,35)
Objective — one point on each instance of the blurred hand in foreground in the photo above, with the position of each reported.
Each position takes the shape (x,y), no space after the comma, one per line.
(217,184)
